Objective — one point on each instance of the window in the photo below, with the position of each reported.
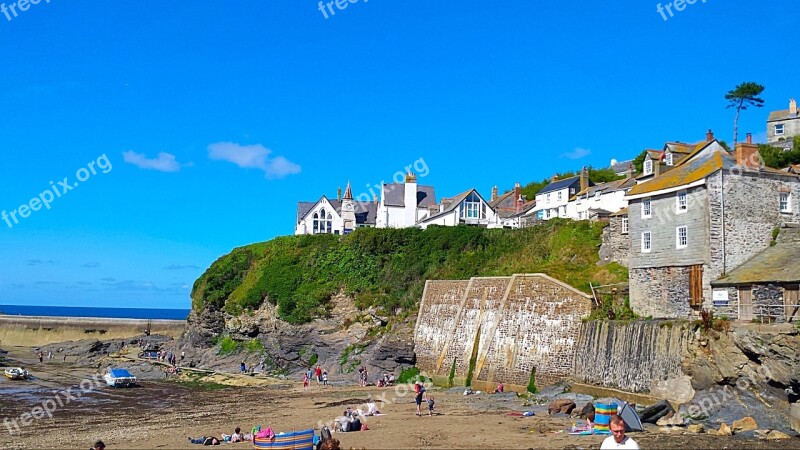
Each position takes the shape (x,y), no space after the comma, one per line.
(473,208)
(323,223)
(548,214)
(548,198)
(779,129)
(682,202)
(786,205)
(647,243)
(668,158)
(563,211)
(597,195)
(625,225)
(559,195)
(540,214)
(571,191)
(648,167)
(647,209)
(682,237)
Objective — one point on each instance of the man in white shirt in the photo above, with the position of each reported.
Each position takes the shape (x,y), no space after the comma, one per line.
(618,440)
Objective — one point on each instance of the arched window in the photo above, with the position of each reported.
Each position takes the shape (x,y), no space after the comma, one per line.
(316,227)
(329,224)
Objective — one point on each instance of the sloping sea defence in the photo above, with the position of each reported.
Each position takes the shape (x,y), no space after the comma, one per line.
(38,331)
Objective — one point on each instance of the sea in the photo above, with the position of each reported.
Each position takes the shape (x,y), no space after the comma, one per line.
(101,313)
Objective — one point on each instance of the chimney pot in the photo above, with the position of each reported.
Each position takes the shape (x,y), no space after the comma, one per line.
(709,136)
(339,194)
(793,107)
(749,138)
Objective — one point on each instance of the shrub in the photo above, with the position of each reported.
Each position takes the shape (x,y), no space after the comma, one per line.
(532,383)
(229,346)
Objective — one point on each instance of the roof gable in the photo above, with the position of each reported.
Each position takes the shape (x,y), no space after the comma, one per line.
(394,194)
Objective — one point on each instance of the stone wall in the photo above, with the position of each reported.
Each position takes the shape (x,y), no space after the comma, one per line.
(630,356)
(441,305)
(518,323)
(660,292)
(768,302)
(616,246)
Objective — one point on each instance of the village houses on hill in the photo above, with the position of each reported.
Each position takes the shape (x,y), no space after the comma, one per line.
(700,228)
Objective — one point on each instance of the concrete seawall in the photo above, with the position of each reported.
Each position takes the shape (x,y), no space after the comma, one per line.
(33,331)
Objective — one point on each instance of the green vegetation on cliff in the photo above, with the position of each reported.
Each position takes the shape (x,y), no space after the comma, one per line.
(387,268)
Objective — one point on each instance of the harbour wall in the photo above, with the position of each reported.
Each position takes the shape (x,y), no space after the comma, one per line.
(31,331)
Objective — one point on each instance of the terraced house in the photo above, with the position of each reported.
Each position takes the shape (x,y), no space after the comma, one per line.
(708,215)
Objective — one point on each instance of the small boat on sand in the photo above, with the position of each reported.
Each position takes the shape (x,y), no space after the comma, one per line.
(16,373)
(119,378)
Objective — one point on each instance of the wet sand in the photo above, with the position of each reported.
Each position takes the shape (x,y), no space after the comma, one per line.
(161,414)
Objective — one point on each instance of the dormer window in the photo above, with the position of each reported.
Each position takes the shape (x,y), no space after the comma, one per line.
(668,158)
(779,129)
(648,167)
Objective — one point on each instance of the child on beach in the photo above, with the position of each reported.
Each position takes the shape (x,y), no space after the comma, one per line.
(431,403)
(305,381)
(325,378)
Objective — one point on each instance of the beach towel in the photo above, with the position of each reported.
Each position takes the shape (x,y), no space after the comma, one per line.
(602,417)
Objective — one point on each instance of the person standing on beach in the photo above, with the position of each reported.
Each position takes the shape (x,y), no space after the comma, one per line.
(318,375)
(309,373)
(41,357)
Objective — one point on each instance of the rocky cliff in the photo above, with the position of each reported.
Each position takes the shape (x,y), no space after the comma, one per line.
(340,343)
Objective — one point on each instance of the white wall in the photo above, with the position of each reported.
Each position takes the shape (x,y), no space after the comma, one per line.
(306,226)
(611,201)
(555,205)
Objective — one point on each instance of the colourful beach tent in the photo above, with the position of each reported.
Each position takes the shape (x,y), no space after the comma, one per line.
(301,440)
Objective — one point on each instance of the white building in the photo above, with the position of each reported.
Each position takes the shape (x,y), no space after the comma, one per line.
(403,205)
(339,216)
(512,208)
(600,200)
(552,201)
(468,208)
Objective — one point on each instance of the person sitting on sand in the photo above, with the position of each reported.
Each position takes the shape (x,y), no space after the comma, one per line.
(205,440)
(99,445)
(499,389)
(237,436)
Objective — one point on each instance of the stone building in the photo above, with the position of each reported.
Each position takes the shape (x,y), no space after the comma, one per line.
(616,245)
(767,286)
(659,162)
(707,216)
(783,125)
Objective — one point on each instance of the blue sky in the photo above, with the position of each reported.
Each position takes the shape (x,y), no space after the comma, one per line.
(216,118)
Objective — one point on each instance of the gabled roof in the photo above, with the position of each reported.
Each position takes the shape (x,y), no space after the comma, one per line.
(454,202)
(688,171)
(776,264)
(506,200)
(561,184)
(395,195)
(783,114)
(681,147)
(366,213)
(508,213)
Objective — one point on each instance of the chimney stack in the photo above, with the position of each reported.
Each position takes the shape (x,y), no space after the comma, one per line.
(495,193)
(517,191)
(630,170)
(584,178)
(747,155)
(749,138)
(792,107)
(375,198)
(339,194)
(554,178)
(709,136)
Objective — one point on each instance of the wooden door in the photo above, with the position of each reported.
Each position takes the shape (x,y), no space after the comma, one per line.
(696,286)
(746,303)
(791,302)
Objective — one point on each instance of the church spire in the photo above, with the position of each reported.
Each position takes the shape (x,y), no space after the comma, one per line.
(348,193)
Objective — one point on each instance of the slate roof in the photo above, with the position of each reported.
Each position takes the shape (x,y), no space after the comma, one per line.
(366,213)
(611,186)
(561,184)
(395,195)
(688,171)
(454,202)
(776,264)
(621,166)
(784,114)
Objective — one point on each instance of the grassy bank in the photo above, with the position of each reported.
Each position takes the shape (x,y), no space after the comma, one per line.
(387,268)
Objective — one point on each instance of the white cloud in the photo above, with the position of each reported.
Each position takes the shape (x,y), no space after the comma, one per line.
(164,162)
(578,153)
(253,157)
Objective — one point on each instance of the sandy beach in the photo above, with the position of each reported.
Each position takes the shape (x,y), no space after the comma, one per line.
(162,414)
